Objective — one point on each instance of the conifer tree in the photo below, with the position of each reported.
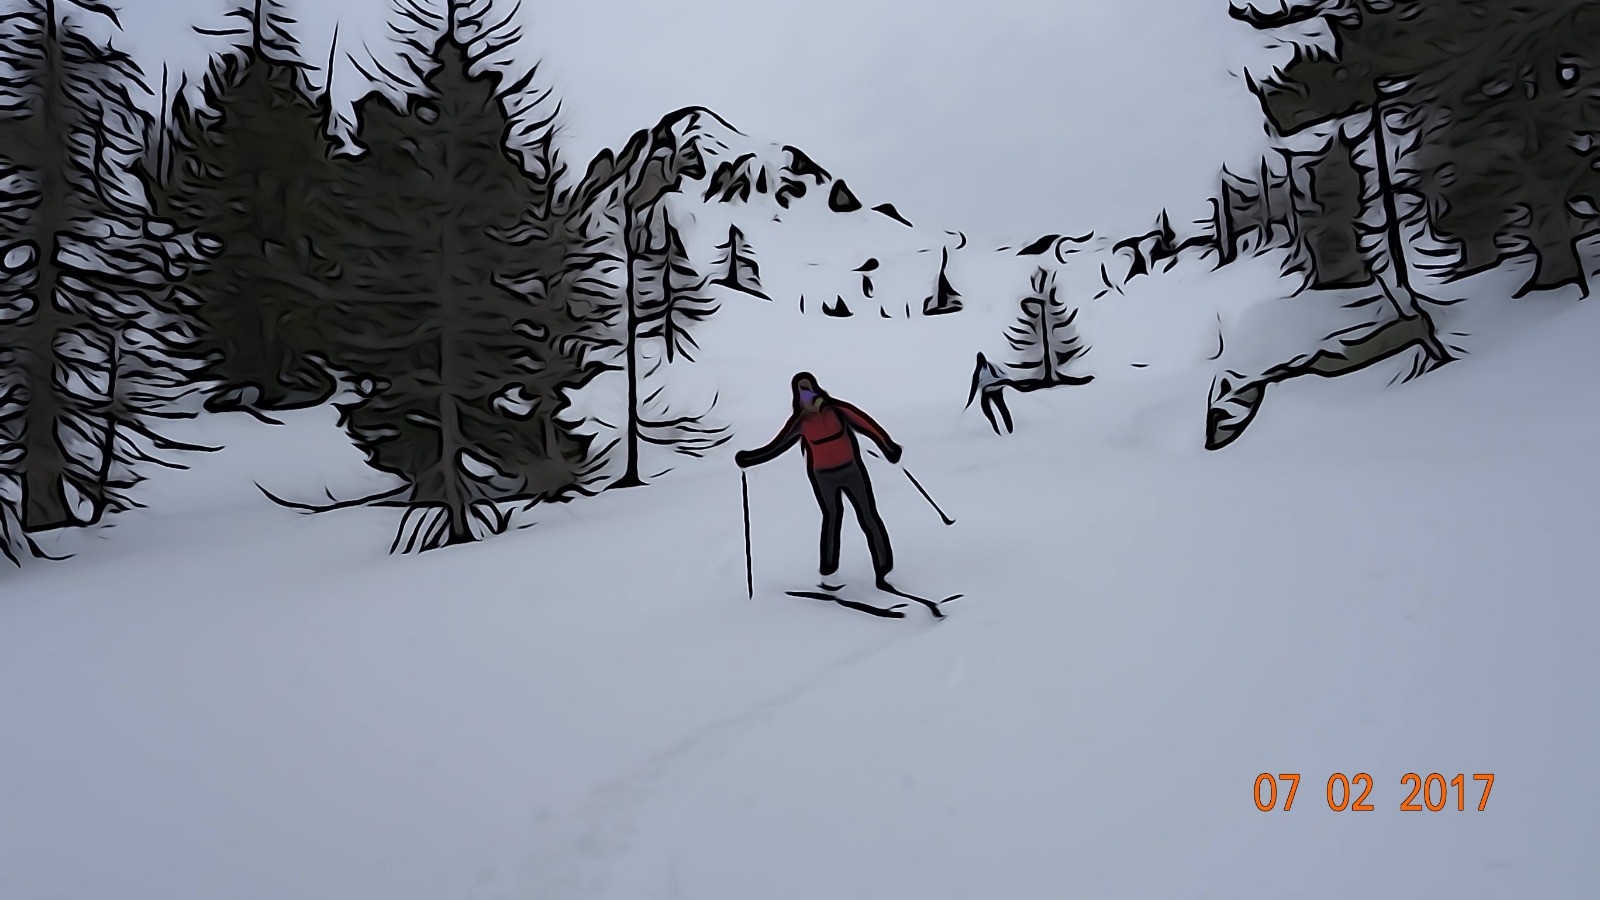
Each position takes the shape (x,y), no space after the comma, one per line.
(251,167)
(1376,49)
(451,322)
(682,302)
(88,332)
(1044,334)
(741,272)
(1329,231)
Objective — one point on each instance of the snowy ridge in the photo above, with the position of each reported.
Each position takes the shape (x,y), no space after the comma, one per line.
(820,247)
(849,260)
(739,169)
(810,233)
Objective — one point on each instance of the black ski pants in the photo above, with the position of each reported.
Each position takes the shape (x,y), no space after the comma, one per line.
(994,400)
(832,486)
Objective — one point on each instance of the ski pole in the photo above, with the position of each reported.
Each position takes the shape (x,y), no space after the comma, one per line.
(749,571)
(946,519)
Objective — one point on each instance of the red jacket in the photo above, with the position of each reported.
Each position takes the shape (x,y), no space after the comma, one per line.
(825,436)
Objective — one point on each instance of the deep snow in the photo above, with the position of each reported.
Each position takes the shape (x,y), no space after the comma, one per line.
(218,698)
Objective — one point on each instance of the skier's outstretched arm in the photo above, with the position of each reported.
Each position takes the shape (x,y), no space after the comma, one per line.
(787,437)
(972,394)
(864,424)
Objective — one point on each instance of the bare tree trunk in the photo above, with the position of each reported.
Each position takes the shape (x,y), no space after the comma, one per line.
(1478,254)
(44,464)
(630,475)
(1046,368)
(162,138)
(1556,262)
(452,440)
(1407,301)
(1266,204)
(108,448)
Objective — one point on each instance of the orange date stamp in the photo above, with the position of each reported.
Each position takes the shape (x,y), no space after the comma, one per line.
(1430,793)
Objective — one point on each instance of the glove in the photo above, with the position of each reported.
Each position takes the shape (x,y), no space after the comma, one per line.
(744,459)
(892,452)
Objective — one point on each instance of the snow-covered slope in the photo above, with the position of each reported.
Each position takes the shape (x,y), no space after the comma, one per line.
(220,698)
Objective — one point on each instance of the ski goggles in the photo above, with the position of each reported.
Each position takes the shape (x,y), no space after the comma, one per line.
(807,396)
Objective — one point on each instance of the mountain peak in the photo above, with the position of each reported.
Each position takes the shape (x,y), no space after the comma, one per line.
(698,124)
(717,162)
(738,167)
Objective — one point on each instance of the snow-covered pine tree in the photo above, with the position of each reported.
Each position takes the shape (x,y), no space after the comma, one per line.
(1237,197)
(1535,136)
(670,303)
(1223,231)
(594,270)
(1165,245)
(1043,334)
(252,168)
(599,278)
(462,352)
(1328,242)
(1388,58)
(85,315)
(741,271)
(1295,202)
(1272,202)
(48,189)
(1249,206)
(655,165)
(1466,203)
(683,301)
(632,270)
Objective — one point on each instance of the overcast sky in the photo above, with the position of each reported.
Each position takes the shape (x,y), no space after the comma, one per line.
(1005,117)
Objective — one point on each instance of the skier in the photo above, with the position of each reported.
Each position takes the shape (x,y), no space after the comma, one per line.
(991,383)
(825,427)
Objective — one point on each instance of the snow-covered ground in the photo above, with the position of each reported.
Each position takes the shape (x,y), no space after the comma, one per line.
(218,698)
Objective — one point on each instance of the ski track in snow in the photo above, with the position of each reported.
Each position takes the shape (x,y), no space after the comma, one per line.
(633,815)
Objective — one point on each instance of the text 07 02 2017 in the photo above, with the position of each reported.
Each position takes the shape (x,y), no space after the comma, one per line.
(1418,793)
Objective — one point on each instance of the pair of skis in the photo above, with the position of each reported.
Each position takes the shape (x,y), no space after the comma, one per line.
(830,593)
